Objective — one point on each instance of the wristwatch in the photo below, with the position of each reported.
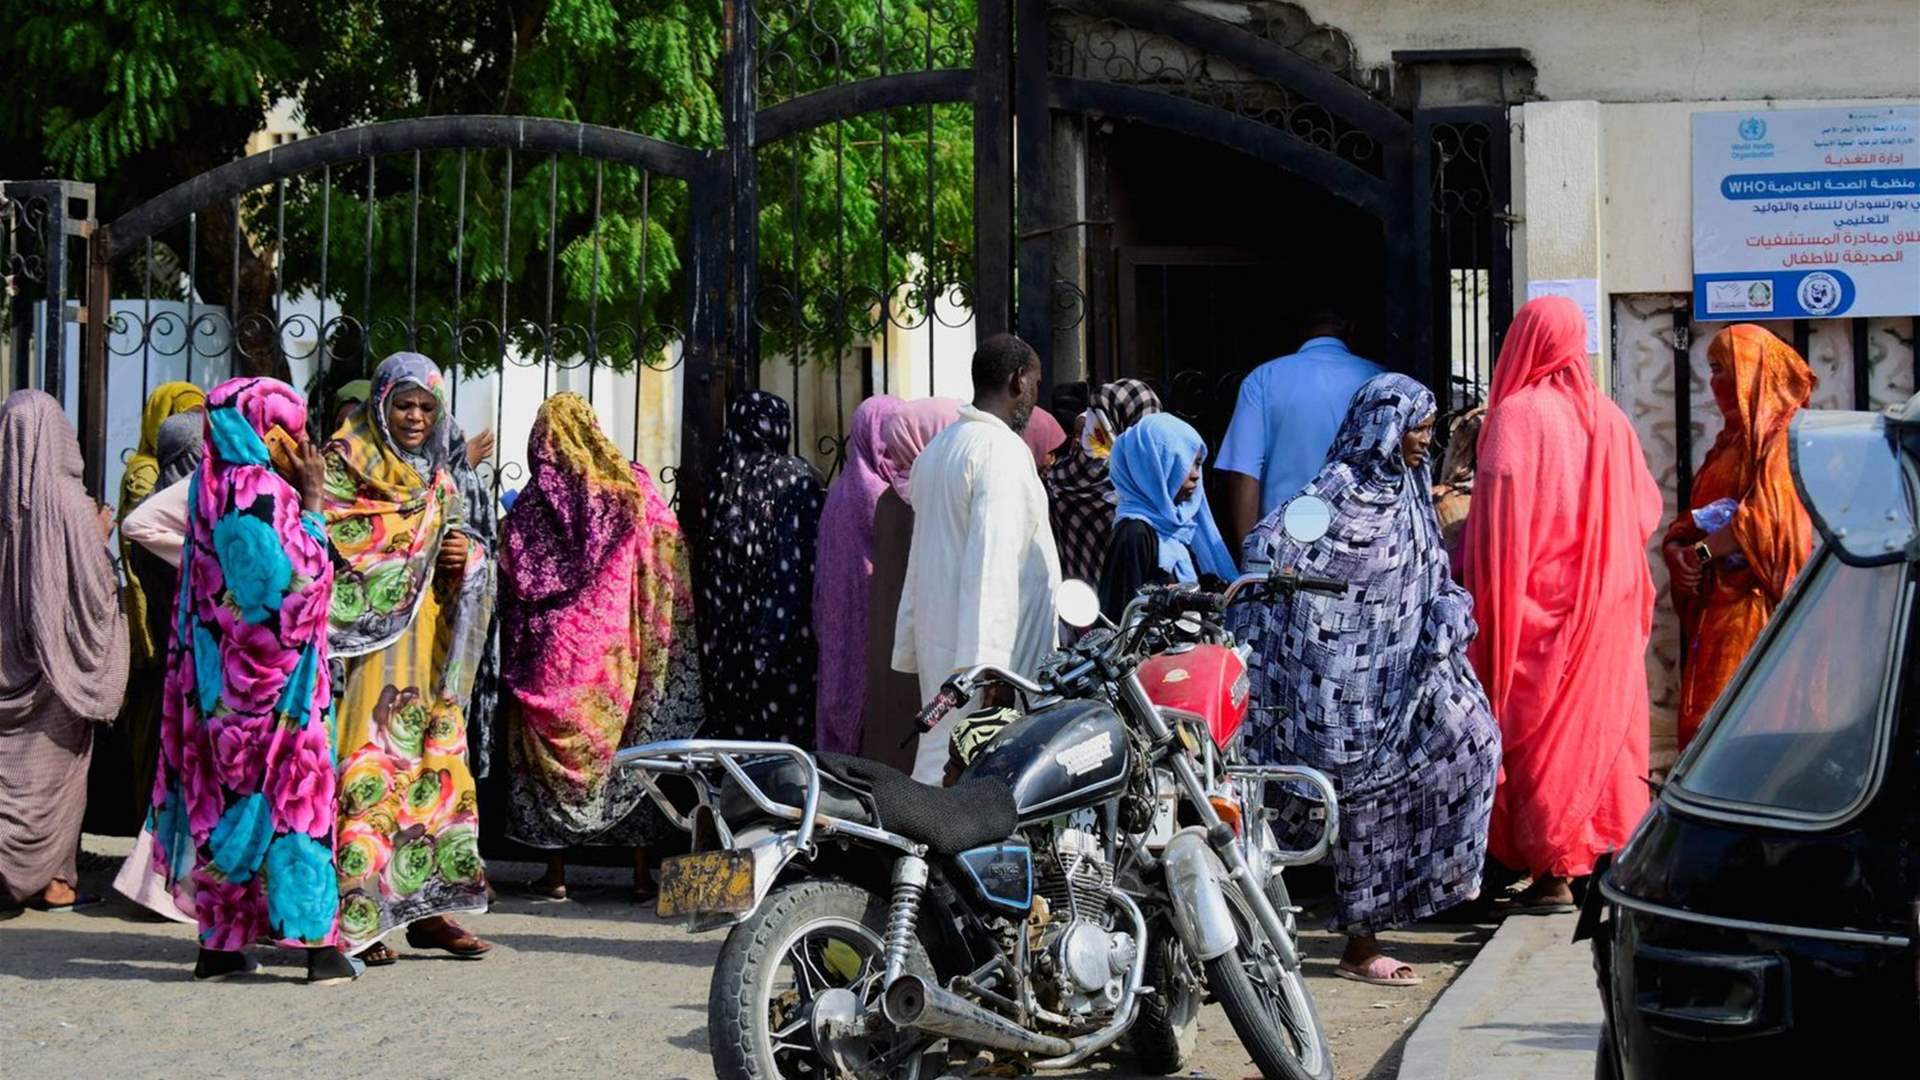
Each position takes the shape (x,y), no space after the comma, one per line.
(1703,553)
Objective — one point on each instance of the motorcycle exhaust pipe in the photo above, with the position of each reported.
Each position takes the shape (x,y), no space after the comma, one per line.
(913,1002)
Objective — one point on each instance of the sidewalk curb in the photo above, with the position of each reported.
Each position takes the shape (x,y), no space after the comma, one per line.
(1430,1051)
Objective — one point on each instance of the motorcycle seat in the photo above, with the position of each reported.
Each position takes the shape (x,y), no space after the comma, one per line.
(948,820)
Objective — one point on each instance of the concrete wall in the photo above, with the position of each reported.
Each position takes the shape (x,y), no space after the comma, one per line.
(1660,50)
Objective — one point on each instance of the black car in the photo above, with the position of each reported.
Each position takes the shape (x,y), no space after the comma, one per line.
(1763,919)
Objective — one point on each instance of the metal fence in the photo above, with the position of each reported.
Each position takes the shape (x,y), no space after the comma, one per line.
(859,223)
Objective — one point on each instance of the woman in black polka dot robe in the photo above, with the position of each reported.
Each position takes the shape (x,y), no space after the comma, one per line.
(755,579)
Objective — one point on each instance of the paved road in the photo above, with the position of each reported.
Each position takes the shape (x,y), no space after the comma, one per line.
(594,987)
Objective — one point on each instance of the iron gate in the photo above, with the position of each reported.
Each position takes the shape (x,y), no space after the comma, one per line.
(863,202)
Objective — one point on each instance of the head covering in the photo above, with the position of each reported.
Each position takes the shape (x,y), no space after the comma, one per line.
(61,627)
(756,579)
(597,621)
(581,499)
(1082,498)
(840,587)
(1150,463)
(169,402)
(909,431)
(353,393)
(1760,384)
(1770,384)
(1043,435)
(1554,553)
(243,806)
(181,445)
(388,510)
(1372,686)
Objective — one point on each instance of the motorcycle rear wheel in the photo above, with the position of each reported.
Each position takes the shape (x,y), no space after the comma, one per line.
(807,938)
(1268,1006)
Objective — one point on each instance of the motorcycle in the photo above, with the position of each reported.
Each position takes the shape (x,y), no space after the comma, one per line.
(1098,868)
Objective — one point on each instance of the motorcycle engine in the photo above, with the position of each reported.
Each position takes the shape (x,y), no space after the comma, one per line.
(1081,959)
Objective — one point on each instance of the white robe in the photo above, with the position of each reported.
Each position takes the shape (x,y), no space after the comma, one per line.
(982,568)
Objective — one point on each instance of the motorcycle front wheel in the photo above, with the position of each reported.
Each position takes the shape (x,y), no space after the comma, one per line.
(1268,1006)
(812,945)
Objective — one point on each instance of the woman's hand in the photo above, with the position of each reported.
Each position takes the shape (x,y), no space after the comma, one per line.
(311,477)
(453,554)
(1683,569)
(480,448)
(107,521)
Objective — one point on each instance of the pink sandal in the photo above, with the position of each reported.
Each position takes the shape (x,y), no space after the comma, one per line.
(1380,971)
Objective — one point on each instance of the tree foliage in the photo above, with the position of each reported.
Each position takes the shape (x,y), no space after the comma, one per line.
(871,213)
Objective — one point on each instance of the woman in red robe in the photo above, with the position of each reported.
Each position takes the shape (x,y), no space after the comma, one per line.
(1554,554)
(1725,599)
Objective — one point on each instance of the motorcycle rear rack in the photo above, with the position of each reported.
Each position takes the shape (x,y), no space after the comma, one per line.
(1329,798)
(694,758)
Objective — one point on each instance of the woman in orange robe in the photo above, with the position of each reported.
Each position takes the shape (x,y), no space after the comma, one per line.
(1554,554)
(1726,582)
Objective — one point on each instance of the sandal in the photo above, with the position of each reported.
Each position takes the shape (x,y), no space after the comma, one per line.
(542,893)
(1551,907)
(646,894)
(80,902)
(1380,970)
(452,938)
(378,955)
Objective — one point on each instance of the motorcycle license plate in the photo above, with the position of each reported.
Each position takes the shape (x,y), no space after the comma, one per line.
(705,883)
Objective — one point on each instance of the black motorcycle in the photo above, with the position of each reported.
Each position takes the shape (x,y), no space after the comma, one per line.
(1037,910)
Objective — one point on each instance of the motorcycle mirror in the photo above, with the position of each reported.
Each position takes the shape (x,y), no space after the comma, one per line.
(1306,519)
(1076,603)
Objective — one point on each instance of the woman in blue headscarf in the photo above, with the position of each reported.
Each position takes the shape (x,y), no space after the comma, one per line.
(1163,531)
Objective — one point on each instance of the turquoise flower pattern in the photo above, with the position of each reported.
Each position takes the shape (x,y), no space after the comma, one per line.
(233,824)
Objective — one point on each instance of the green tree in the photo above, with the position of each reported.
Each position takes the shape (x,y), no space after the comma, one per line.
(136,95)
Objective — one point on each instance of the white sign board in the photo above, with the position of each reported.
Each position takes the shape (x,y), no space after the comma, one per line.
(1806,213)
(1582,291)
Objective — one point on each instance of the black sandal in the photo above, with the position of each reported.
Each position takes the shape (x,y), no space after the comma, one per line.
(378,955)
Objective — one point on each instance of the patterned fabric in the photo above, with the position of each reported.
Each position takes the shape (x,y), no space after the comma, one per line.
(1082,498)
(139,479)
(597,604)
(63,648)
(61,627)
(483,526)
(242,816)
(1149,465)
(387,511)
(1373,687)
(409,828)
(755,579)
(1760,384)
(845,575)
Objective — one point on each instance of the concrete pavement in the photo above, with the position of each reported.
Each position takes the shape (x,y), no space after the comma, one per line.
(1526,1009)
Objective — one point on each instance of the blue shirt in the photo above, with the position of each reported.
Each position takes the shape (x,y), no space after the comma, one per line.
(1288,413)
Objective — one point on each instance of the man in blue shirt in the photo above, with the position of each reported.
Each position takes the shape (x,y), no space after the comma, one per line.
(1288,413)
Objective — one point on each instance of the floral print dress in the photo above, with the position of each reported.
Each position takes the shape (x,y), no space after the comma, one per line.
(242,816)
(408,639)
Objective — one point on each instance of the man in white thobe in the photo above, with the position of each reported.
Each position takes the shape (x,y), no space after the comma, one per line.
(982,568)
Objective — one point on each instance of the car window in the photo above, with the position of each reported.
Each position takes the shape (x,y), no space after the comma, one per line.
(1854,483)
(1802,730)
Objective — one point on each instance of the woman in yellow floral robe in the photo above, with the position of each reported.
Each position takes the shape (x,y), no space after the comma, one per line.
(411,604)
